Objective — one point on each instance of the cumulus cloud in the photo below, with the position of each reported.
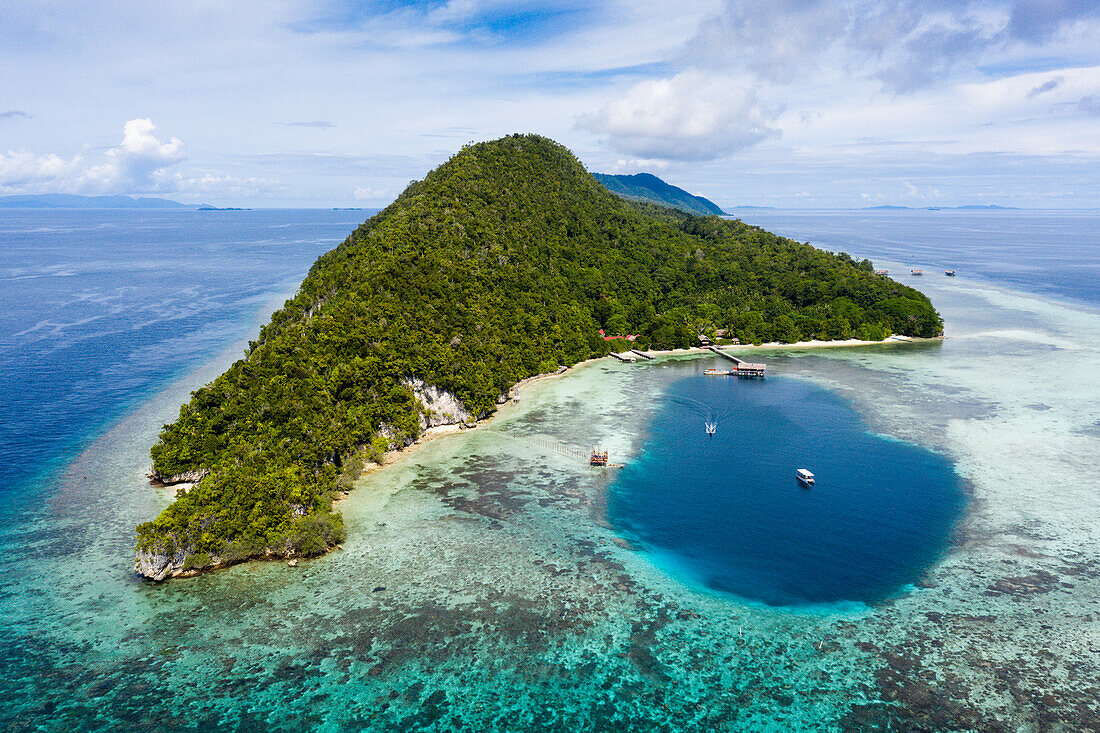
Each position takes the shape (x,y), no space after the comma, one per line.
(141,163)
(24,172)
(691,116)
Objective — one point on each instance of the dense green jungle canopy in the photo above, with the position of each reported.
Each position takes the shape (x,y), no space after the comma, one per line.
(502,263)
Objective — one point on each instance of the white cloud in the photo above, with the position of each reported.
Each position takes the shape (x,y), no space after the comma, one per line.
(141,163)
(889,87)
(22,171)
(691,116)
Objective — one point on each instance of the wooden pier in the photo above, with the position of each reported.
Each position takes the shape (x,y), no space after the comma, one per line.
(627,357)
(642,354)
(744,369)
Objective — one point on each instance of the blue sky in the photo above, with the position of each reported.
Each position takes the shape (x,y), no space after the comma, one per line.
(786,103)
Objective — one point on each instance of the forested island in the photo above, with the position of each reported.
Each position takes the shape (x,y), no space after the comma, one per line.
(650,188)
(501,264)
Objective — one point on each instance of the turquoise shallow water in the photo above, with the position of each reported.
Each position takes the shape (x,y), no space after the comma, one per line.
(484,585)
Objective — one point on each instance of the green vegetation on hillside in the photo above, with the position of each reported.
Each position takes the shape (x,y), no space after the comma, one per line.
(649,188)
(500,264)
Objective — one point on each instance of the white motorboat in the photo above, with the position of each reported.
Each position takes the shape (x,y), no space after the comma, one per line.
(804,477)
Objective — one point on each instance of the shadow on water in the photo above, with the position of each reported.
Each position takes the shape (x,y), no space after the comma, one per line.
(727,512)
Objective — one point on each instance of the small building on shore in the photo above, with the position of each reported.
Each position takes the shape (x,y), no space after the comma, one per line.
(612,338)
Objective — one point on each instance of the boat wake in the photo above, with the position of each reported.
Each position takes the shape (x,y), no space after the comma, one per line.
(712,416)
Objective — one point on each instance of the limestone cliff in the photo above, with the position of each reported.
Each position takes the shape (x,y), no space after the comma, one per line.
(440,406)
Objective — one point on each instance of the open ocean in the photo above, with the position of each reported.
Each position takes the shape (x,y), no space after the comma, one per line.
(944,574)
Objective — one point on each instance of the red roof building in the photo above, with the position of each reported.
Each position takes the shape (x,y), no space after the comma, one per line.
(612,338)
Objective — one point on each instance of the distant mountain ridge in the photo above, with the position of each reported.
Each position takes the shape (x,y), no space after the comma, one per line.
(648,187)
(73,201)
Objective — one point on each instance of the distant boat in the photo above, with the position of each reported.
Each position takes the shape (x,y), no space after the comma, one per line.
(805,477)
(949,273)
(711,427)
(719,372)
(917,272)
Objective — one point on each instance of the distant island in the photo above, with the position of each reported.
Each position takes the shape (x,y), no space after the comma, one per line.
(968,207)
(507,261)
(72,201)
(648,187)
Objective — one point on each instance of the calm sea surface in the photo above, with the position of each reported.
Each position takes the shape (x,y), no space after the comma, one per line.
(492,581)
(99,308)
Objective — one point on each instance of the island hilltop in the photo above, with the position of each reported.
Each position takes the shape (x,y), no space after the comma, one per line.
(503,263)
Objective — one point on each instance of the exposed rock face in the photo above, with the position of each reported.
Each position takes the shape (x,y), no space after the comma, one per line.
(158,566)
(187,477)
(443,408)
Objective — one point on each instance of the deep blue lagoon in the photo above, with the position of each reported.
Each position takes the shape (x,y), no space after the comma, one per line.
(726,510)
